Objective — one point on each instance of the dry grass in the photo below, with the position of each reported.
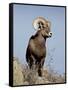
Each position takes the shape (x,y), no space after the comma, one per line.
(22,75)
(18,77)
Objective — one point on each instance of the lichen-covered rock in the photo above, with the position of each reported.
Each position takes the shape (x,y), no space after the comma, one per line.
(18,77)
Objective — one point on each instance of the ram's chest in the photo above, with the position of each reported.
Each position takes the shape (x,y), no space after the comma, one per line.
(38,49)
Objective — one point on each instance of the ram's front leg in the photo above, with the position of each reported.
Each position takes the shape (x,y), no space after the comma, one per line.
(32,62)
(40,67)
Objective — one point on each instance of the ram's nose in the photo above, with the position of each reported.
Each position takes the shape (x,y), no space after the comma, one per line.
(50,34)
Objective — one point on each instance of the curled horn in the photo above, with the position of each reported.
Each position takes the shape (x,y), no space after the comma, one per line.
(37,20)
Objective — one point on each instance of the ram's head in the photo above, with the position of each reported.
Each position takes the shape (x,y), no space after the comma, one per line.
(42,24)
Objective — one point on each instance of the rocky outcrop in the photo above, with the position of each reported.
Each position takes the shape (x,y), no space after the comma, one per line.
(22,75)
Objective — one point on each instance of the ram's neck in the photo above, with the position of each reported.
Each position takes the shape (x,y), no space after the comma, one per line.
(40,39)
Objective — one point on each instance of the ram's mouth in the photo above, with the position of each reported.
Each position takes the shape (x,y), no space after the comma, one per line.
(48,35)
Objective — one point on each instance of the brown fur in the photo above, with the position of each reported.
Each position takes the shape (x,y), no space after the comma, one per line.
(36,50)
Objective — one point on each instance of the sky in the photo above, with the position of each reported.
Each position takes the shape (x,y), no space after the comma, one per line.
(23,16)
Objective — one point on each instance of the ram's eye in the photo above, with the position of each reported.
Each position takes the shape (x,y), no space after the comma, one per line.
(42,23)
(39,23)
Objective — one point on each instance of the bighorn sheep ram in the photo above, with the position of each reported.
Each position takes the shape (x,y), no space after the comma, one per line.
(36,50)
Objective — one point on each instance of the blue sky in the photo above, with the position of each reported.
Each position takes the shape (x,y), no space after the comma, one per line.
(23,29)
